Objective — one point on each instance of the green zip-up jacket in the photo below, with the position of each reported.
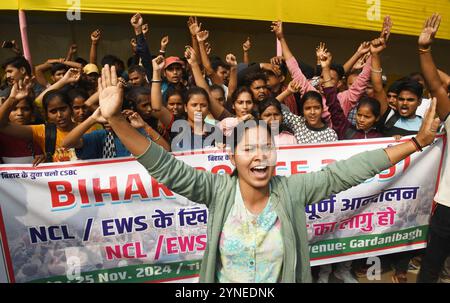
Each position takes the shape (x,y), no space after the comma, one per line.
(292,193)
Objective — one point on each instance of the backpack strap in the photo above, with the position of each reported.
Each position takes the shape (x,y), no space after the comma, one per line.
(50,141)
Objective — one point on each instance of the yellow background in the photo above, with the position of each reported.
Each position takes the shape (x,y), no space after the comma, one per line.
(408,15)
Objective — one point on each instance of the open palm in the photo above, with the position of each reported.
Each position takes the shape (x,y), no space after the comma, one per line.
(429,31)
(110,93)
(21,90)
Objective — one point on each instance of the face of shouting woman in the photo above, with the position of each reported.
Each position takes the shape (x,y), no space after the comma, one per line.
(254,158)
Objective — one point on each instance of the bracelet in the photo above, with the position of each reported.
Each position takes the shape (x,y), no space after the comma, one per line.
(159,137)
(162,52)
(416,143)
(424,50)
(156,81)
(377,71)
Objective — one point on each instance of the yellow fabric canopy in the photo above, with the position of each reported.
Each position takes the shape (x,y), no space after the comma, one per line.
(407,15)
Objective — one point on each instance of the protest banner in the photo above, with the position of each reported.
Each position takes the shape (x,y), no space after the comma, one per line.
(109,221)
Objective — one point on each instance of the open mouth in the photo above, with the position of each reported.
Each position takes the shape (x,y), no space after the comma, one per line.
(61,122)
(260,170)
(404,110)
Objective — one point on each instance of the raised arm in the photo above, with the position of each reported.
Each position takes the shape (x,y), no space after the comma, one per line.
(137,122)
(363,49)
(41,69)
(344,174)
(277,28)
(428,66)
(142,48)
(163,46)
(74,137)
(71,76)
(73,64)
(232,83)
(216,109)
(246,48)
(201,38)
(19,91)
(92,102)
(291,62)
(293,87)
(95,38)
(350,97)
(376,47)
(71,52)
(339,121)
(194,28)
(159,110)
(175,174)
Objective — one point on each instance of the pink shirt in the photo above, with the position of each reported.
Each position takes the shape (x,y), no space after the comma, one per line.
(347,99)
(350,97)
(284,138)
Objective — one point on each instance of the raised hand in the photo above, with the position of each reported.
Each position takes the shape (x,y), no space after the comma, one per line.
(275,68)
(190,55)
(158,63)
(202,36)
(430,124)
(194,26)
(137,21)
(145,28)
(325,60)
(97,116)
(386,29)
(21,89)
(110,93)
(429,31)
(277,28)
(247,45)
(73,49)
(363,48)
(278,60)
(96,35)
(136,120)
(72,75)
(122,82)
(164,42)
(361,61)
(208,48)
(321,50)
(377,45)
(133,43)
(16,48)
(231,60)
(294,86)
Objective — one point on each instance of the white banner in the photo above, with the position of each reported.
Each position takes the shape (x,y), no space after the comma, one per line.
(109,221)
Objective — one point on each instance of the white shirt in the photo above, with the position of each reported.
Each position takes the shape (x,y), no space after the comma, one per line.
(443,194)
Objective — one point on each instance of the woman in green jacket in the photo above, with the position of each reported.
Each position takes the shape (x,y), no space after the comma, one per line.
(256,224)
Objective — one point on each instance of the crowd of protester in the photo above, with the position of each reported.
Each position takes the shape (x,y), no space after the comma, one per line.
(50,112)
